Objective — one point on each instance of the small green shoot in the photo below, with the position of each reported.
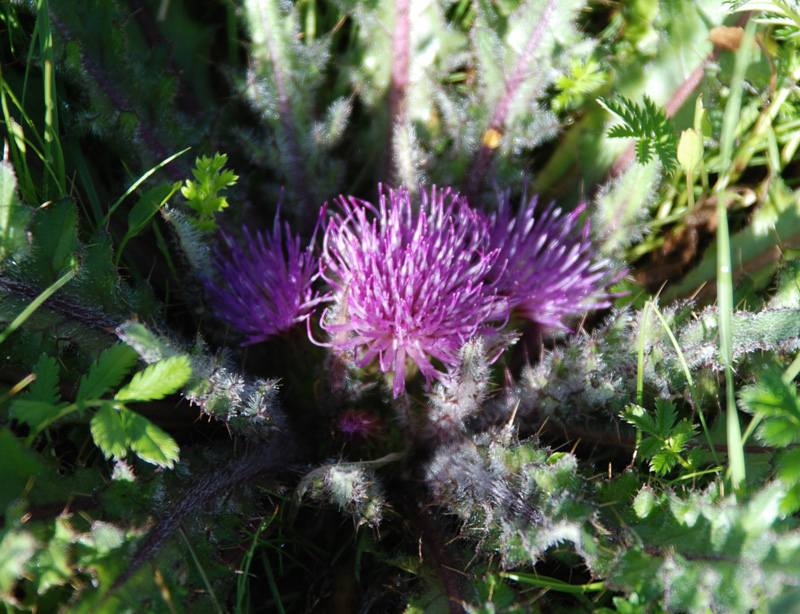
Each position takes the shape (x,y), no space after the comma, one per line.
(203,195)
(666,446)
(582,80)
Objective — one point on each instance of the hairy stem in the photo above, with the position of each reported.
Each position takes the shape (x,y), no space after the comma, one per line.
(401,43)
(485,154)
(292,152)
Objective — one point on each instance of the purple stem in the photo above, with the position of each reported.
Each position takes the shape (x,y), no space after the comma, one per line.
(401,43)
(485,153)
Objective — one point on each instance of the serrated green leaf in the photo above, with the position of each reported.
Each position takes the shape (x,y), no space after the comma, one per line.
(778,432)
(649,446)
(108,432)
(682,434)
(149,442)
(772,396)
(158,380)
(664,461)
(789,466)
(45,387)
(639,417)
(107,372)
(33,413)
(665,417)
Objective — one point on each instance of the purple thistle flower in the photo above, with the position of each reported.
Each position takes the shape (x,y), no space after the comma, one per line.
(545,266)
(410,282)
(266,287)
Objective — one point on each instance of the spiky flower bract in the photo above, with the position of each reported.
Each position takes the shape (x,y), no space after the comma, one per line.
(410,280)
(546,265)
(266,286)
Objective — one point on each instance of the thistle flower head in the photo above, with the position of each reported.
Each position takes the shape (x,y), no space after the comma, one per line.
(266,286)
(410,281)
(546,265)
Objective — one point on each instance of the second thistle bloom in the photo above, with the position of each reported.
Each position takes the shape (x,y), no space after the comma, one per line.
(546,264)
(265,287)
(411,281)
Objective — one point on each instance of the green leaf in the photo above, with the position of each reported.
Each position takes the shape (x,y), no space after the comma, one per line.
(143,211)
(40,402)
(108,432)
(58,222)
(149,442)
(158,380)
(649,446)
(35,414)
(14,216)
(107,372)
(45,387)
(645,502)
(778,432)
(19,465)
(665,417)
(789,466)
(664,461)
(148,205)
(648,124)
(639,418)
(772,396)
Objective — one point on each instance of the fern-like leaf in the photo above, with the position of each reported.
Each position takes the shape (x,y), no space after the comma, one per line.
(648,124)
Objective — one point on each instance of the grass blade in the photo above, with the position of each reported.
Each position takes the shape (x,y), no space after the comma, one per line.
(35,304)
(724,273)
